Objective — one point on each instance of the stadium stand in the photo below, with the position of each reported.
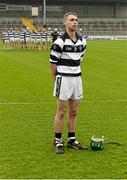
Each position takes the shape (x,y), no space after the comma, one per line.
(95,18)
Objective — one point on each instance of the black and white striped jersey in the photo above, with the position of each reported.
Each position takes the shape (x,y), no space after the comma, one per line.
(68,54)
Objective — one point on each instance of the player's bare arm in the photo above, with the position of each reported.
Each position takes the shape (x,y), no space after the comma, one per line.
(53,70)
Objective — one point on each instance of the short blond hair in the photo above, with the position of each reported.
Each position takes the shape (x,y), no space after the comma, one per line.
(70,13)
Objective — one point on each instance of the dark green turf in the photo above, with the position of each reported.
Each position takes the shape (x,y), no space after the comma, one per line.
(27,110)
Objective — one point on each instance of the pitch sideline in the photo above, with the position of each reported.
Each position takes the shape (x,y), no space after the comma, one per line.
(53,102)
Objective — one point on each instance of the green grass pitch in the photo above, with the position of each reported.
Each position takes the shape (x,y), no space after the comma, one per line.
(27,110)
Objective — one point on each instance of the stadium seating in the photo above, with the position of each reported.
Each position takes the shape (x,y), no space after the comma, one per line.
(94,20)
(90,26)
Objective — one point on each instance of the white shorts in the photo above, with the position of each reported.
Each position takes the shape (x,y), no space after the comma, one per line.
(38,40)
(16,39)
(49,39)
(12,39)
(33,40)
(66,88)
(6,41)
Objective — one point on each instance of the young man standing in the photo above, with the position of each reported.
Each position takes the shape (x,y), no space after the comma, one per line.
(65,57)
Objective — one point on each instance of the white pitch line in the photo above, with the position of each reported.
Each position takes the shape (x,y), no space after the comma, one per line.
(53,102)
(106,101)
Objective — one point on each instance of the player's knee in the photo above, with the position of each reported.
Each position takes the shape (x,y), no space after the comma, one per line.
(61,113)
(73,113)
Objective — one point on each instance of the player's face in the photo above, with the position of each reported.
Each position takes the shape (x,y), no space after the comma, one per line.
(71,22)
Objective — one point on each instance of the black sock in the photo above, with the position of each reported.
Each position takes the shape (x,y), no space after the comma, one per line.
(58,137)
(71,136)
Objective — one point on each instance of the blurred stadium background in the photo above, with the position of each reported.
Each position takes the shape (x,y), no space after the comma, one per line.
(96,17)
(27,106)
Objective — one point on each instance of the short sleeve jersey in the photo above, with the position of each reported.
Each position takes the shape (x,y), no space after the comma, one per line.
(67,55)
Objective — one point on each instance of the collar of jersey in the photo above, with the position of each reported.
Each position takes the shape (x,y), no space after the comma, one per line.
(68,37)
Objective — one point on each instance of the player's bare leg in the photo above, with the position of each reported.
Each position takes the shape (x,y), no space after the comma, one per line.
(73,109)
(58,125)
(61,110)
